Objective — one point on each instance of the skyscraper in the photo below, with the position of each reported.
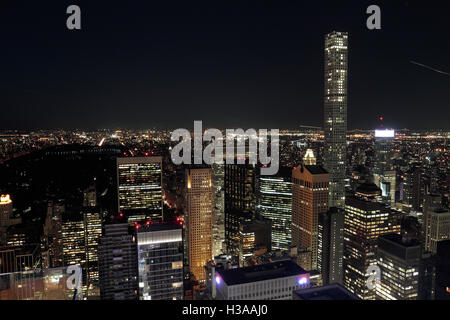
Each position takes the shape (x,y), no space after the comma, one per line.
(365,220)
(217,171)
(335,114)
(160,261)
(399,263)
(6,219)
(275,203)
(93,232)
(437,228)
(139,183)
(310,194)
(331,246)
(199,219)
(384,175)
(240,201)
(118,263)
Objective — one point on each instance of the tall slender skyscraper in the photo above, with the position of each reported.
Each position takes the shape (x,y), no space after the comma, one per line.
(335,114)
(199,220)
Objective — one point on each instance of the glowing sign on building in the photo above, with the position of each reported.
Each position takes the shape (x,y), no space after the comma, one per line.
(387,133)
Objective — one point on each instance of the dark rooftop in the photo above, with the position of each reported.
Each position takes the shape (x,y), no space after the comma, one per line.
(316,169)
(329,292)
(262,272)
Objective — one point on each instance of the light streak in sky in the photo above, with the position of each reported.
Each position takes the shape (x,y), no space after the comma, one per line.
(430,68)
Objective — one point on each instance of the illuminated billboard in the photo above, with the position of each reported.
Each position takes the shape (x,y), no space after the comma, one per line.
(386,133)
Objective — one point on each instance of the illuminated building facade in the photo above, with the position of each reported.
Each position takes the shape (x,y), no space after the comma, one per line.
(93,232)
(275,203)
(310,194)
(273,281)
(6,219)
(335,114)
(399,263)
(199,206)
(331,245)
(309,159)
(160,261)
(437,228)
(118,263)
(139,181)
(365,220)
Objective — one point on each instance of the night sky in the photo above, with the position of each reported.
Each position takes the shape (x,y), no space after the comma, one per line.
(259,64)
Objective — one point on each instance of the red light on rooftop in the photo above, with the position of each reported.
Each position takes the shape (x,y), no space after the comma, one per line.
(124,153)
(146,154)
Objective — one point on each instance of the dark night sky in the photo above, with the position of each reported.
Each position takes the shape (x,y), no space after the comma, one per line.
(140,64)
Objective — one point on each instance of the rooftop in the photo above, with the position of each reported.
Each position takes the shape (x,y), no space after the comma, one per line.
(329,292)
(262,272)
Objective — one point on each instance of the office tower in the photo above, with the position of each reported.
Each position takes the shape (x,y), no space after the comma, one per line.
(335,114)
(437,228)
(310,194)
(309,159)
(118,263)
(6,218)
(365,220)
(333,291)
(443,270)
(139,181)
(218,171)
(198,220)
(53,254)
(160,261)
(275,203)
(93,232)
(81,230)
(331,245)
(399,260)
(272,281)
(413,189)
(254,234)
(74,241)
(240,201)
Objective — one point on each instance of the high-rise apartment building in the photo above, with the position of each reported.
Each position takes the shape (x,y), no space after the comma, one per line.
(160,261)
(198,218)
(139,182)
(310,194)
(335,114)
(275,203)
